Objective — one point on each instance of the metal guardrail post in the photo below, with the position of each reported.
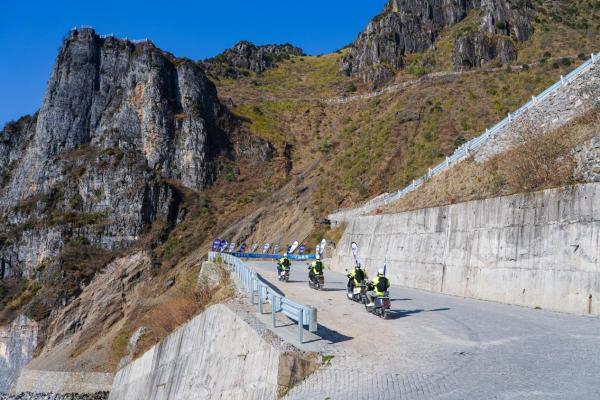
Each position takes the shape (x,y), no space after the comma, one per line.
(312,322)
(250,289)
(273,308)
(300,325)
(260,298)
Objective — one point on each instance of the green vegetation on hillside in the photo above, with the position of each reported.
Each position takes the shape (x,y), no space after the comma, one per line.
(366,147)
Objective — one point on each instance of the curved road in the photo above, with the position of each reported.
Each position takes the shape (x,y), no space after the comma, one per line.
(442,347)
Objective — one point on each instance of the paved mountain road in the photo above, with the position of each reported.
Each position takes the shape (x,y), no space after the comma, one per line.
(442,347)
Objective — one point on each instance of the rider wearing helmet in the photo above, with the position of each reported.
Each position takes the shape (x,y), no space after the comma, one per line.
(315,269)
(283,264)
(378,287)
(356,276)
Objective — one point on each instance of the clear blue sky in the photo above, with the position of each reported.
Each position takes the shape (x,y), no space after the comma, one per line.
(31,32)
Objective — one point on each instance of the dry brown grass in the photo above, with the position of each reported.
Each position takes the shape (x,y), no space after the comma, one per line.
(536,162)
(170,310)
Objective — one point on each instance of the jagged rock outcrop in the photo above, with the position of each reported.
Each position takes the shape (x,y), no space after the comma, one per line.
(411,26)
(245,56)
(124,129)
(506,17)
(476,49)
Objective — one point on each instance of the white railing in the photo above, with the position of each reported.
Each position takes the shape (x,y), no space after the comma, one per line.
(260,292)
(464,150)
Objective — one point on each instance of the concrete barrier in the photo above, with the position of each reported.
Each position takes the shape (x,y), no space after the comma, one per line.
(17,344)
(58,382)
(536,250)
(220,354)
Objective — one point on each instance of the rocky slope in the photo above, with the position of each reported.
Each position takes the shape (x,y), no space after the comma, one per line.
(126,140)
(407,27)
(246,56)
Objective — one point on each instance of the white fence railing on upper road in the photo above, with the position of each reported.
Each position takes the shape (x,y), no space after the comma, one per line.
(463,151)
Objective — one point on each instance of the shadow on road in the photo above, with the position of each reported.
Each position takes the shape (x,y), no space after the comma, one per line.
(330,335)
(397,314)
(270,285)
(400,299)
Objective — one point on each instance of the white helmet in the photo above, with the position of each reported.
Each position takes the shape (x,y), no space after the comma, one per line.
(380,271)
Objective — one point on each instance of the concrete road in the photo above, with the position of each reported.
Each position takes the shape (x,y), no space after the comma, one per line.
(442,347)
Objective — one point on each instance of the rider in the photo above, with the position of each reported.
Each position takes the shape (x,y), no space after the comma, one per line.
(283,264)
(356,277)
(378,287)
(316,268)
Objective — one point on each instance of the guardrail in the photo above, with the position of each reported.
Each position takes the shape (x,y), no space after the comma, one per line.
(464,150)
(260,292)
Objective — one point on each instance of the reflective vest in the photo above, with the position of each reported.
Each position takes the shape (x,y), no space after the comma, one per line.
(317,267)
(380,285)
(358,274)
(284,263)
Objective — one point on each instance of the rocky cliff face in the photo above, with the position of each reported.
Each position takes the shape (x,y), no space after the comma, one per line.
(17,343)
(245,57)
(123,129)
(410,26)
(477,48)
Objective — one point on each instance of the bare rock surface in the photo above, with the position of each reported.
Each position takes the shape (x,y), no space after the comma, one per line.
(246,56)
(17,344)
(409,26)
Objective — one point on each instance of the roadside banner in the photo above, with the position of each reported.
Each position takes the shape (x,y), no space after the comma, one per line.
(231,247)
(354,248)
(322,247)
(301,249)
(266,247)
(223,245)
(216,245)
(243,247)
(294,246)
(275,249)
(254,247)
(385,266)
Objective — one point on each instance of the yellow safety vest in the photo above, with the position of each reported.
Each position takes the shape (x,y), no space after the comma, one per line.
(376,283)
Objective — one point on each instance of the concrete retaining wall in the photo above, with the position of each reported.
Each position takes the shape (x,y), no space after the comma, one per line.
(217,355)
(17,343)
(36,381)
(536,250)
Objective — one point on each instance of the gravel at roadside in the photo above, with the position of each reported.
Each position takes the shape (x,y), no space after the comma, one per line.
(52,396)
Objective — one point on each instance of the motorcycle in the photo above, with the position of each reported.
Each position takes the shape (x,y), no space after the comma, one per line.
(284,275)
(381,307)
(358,293)
(317,282)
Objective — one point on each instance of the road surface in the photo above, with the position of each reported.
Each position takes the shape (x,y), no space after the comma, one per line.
(442,347)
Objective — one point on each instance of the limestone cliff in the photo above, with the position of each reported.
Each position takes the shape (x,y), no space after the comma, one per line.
(124,128)
(246,56)
(410,26)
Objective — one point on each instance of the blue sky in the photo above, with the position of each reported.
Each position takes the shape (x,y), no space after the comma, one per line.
(31,32)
